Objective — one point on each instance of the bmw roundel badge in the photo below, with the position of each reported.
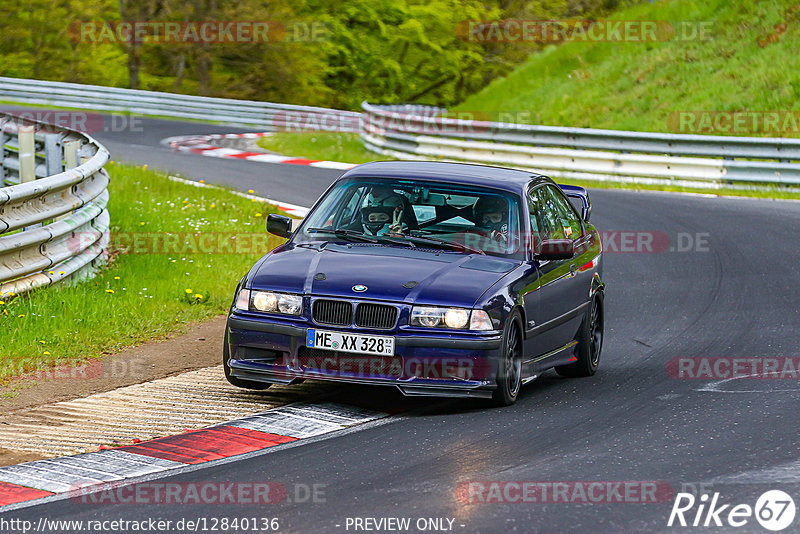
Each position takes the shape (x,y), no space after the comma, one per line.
(359,288)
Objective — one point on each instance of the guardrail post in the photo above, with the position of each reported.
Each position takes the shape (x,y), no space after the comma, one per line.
(52,154)
(27,153)
(3,121)
(71,154)
(70,149)
(27,158)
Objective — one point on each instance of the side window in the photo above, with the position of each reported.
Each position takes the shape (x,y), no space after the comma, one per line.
(549,215)
(350,212)
(540,225)
(566,223)
(577,204)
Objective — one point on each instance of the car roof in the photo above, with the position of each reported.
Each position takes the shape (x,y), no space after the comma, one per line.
(456,173)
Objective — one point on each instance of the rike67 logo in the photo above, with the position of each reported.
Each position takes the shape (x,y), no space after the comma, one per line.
(774,510)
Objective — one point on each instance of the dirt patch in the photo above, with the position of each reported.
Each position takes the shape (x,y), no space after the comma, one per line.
(199,347)
(8,457)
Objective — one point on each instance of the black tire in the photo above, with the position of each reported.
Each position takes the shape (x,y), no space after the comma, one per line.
(590,343)
(509,369)
(239,383)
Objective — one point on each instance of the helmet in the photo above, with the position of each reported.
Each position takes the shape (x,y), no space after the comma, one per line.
(382,211)
(377,219)
(383,196)
(492,213)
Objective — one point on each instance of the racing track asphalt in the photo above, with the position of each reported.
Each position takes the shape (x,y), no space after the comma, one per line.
(280,182)
(630,422)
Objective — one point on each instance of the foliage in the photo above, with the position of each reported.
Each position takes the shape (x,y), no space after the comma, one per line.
(330,52)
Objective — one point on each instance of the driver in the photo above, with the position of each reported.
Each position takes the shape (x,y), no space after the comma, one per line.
(382,212)
(491,215)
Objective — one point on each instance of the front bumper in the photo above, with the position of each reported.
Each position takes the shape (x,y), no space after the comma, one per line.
(436,363)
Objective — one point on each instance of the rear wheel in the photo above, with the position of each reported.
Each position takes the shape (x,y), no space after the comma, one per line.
(590,343)
(509,369)
(238,382)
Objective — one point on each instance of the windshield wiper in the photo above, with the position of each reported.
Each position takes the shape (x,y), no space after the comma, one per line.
(397,240)
(344,232)
(452,244)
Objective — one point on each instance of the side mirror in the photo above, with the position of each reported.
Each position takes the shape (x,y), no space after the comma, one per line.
(279,225)
(556,249)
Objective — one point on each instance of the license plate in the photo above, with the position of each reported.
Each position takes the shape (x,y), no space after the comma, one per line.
(356,343)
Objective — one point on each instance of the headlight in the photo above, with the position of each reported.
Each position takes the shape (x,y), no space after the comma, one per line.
(290,304)
(427,316)
(455,318)
(263,301)
(267,301)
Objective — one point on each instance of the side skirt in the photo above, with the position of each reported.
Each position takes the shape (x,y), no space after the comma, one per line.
(532,361)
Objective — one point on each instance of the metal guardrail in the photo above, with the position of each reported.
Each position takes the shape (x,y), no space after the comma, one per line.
(412,131)
(53,218)
(583,153)
(264,115)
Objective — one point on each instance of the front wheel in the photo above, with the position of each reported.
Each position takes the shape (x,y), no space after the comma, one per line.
(509,369)
(590,343)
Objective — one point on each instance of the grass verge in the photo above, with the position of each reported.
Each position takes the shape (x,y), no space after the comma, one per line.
(178,252)
(328,146)
(723,57)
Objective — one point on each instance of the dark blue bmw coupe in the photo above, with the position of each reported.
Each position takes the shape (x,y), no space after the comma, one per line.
(439,279)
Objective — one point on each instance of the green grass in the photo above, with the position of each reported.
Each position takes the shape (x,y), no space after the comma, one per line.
(142,294)
(640,86)
(329,146)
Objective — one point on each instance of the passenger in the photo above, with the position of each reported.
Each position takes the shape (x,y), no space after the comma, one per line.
(382,212)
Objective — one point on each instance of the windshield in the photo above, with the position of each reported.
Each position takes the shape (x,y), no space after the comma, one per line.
(417,213)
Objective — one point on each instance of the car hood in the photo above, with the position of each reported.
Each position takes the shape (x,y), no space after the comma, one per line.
(392,273)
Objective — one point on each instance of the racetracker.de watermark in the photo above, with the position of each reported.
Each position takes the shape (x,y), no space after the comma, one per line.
(31,368)
(778,123)
(205,31)
(458,122)
(83,121)
(192,493)
(563,492)
(180,243)
(366,366)
(722,367)
(189,243)
(653,241)
(568,30)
